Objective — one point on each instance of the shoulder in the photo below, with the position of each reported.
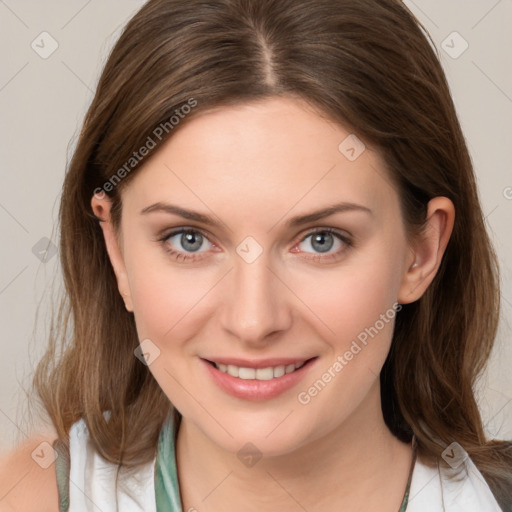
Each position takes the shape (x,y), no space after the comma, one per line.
(28,479)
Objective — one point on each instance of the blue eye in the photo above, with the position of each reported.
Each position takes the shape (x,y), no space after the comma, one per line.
(191,241)
(323,240)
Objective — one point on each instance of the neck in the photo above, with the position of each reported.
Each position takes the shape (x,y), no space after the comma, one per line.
(360,464)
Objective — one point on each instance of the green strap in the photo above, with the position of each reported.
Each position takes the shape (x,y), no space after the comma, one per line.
(167,492)
(62,471)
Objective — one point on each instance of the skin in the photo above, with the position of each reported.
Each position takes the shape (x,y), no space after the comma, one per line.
(253,167)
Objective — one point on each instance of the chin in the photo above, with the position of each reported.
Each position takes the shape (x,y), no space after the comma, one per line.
(270,438)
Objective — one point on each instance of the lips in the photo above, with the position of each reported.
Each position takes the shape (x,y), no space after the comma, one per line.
(252,380)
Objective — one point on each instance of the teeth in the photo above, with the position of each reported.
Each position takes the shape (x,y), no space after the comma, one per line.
(279,371)
(233,370)
(246,373)
(260,373)
(290,368)
(264,374)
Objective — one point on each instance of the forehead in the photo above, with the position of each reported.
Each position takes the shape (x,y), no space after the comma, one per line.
(269,154)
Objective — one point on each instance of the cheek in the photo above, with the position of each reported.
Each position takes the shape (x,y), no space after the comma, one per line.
(359,308)
(171,303)
(165,300)
(352,297)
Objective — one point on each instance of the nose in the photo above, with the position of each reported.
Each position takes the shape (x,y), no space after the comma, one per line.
(257,304)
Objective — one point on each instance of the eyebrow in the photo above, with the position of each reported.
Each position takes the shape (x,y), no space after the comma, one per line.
(293,222)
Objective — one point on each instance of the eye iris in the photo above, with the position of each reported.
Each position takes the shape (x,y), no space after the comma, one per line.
(320,238)
(190,237)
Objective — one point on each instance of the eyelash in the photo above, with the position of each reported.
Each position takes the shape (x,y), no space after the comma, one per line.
(180,256)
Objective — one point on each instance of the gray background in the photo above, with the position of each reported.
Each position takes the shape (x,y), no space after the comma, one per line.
(43,101)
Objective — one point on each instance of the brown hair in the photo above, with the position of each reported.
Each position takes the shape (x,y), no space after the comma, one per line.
(363,63)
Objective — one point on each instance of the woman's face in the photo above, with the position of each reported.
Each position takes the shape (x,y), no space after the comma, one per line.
(255,286)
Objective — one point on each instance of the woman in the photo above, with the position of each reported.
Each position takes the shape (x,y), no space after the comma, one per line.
(316,346)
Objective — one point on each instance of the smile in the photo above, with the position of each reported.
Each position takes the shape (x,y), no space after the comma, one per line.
(258,373)
(257,380)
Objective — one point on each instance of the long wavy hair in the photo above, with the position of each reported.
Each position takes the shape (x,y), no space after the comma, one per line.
(367,64)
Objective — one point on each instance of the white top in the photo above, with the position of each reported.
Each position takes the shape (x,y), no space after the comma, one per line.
(92,484)
(92,480)
(432,491)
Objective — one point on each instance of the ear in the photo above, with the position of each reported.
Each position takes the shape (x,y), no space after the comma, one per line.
(101,205)
(427,250)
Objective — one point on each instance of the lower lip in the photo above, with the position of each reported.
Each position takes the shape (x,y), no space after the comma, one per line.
(253,389)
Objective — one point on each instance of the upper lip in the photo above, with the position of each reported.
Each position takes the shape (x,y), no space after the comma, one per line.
(261,363)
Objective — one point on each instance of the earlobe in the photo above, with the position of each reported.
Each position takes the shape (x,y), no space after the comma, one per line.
(101,208)
(428,250)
